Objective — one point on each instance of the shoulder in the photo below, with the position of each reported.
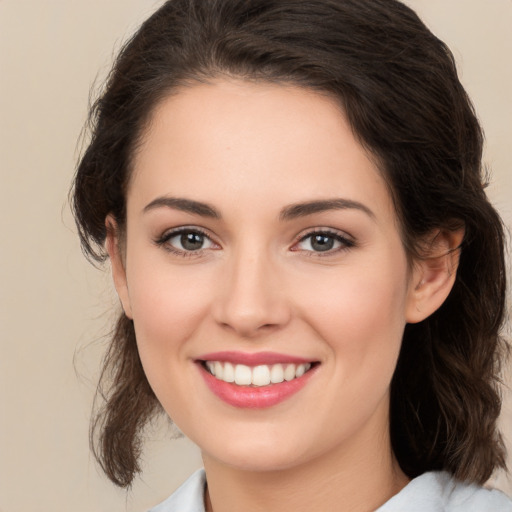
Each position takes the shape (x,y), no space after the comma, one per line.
(437,490)
(431,492)
(187,498)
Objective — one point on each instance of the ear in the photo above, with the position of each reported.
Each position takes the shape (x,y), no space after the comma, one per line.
(114,249)
(433,274)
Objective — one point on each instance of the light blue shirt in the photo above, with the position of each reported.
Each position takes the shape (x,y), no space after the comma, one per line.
(435,491)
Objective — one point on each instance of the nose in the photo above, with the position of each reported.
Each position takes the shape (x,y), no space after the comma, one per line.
(252,299)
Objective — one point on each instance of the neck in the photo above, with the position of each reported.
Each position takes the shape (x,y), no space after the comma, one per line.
(356,479)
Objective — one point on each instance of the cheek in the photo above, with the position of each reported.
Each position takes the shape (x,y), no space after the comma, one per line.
(167,309)
(168,304)
(358,297)
(360,314)
(360,317)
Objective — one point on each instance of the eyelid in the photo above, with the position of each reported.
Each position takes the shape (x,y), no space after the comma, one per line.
(346,240)
(167,235)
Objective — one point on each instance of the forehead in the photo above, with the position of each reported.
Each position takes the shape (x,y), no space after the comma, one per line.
(271,143)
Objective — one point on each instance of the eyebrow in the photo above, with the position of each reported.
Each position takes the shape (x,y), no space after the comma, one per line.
(309,208)
(290,212)
(185,205)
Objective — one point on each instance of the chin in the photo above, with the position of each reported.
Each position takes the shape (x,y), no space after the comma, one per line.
(259,463)
(256,456)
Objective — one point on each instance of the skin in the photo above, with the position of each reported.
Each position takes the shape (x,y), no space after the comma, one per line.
(250,150)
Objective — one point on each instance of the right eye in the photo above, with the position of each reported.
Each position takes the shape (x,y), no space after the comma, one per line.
(185,241)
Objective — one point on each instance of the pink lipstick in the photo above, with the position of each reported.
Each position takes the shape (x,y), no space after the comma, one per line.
(253,359)
(254,380)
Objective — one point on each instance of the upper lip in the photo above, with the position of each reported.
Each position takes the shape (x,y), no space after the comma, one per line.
(253,359)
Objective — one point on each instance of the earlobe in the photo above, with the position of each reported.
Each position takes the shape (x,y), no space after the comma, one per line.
(434,274)
(113,246)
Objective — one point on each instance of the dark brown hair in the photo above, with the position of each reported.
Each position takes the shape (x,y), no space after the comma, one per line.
(399,88)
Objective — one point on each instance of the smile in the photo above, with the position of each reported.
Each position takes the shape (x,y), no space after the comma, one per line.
(255,381)
(261,375)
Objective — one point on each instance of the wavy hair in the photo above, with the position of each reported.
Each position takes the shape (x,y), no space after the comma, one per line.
(399,88)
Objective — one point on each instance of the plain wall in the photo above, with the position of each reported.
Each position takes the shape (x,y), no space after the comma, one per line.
(55,308)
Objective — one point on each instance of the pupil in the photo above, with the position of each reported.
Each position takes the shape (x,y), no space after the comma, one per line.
(192,241)
(322,243)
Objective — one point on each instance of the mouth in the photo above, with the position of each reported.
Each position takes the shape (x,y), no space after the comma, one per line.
(255,381)
(256,376)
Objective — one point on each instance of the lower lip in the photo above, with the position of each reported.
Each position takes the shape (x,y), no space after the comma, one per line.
(249,397)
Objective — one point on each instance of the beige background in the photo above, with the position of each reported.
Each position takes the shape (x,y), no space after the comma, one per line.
(54,307)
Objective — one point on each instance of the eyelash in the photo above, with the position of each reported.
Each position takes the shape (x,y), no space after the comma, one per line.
(345,243)
(164,239)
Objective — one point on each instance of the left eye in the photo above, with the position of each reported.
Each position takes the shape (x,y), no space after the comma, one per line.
(188,241)
(322,242)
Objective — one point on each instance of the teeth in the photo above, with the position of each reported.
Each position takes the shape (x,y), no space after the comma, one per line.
(219,370)
(229,373)
(289,372)
(276,374)
(301,370)
(243,375)
(261,375)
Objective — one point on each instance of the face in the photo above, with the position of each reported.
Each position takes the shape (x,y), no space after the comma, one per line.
(262,245)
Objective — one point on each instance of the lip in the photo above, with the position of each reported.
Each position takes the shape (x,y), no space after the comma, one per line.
(253,359)
(252,397)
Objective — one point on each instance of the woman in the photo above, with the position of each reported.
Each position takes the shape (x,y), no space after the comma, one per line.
(312,278)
